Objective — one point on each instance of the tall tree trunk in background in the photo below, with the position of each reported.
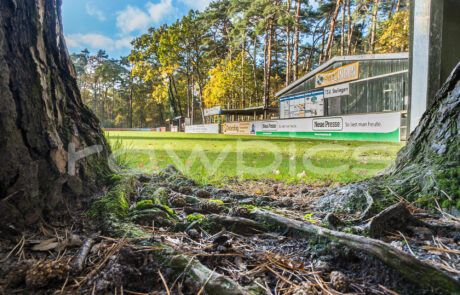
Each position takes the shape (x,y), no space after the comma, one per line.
(254,70)
(321,54)
(330,39)
(398,6)
(131,93)
(390,12)
(349,27)
(269,64)
(42,119)
(265,65)
(296,40)
(193,102)
(375,10)
(342,34)
(288,46)
(243,57)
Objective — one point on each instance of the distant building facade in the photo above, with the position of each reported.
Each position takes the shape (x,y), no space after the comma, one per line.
(363,97)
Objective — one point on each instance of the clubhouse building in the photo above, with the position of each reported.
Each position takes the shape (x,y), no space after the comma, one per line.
(362,97)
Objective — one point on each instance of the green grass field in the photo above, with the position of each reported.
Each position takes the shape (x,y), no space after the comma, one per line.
(213,158)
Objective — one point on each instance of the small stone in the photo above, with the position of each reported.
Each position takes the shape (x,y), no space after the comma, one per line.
(339,281)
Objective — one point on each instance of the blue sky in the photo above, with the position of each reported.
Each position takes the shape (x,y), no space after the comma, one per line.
(112,24)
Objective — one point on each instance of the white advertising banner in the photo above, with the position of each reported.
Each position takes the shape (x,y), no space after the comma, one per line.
(309,104)
(212,111)
(378,126)
(208,128)
(337,90)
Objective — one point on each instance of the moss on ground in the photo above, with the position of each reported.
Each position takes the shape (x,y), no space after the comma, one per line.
(114,204)
(145,204)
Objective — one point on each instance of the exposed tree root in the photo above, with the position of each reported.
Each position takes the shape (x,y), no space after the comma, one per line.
(419,272)
(198,274)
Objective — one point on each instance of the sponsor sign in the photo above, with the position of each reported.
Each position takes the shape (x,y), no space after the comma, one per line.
(208,128)
(309,104)
(377,127)
(337,90)
(212,111)
(327,124)
(343,74)
(239,128)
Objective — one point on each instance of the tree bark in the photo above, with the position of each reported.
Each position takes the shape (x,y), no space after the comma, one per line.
(288,46)
(342,33)
(42,117)
(330,40)
(268,63)
(349,27)
(296,40)
(375,10)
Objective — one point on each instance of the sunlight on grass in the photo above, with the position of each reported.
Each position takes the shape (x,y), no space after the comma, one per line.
(212,158)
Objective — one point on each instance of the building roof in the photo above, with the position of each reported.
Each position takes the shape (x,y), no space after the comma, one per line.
(402,55)
(249,111)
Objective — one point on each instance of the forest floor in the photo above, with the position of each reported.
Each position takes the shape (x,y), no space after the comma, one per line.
(217,158)
(163,233)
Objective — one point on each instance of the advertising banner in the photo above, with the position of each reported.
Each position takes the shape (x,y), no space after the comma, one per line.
(337,90)
(212,111)
(239,128)
(208,128)
(309,104)
(343,74)
(372,127)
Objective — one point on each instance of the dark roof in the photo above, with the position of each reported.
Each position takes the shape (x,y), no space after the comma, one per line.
(249,111)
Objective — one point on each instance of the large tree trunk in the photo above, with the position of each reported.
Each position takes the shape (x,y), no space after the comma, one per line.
(42,118)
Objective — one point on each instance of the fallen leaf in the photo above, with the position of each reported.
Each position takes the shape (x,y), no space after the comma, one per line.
(46,245)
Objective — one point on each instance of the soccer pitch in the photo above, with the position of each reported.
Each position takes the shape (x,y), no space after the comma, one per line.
(213,158)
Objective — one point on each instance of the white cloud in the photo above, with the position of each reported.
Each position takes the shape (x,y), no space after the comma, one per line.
(94,11)
(196,4)
(97,41)
(133,18)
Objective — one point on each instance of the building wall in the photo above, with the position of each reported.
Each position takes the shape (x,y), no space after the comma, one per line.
(382,86)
